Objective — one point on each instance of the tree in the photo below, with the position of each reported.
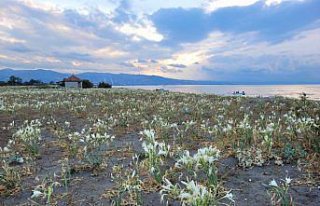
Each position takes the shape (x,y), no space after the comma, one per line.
(104,85)
(62,84)
(2,83)
(34,82)
(86,84)
(13,80)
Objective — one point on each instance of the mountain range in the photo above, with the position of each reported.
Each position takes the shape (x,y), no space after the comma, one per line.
(130,79)
(115,79)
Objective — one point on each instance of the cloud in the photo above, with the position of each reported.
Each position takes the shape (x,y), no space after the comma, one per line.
(273,23)
(11,40)
(181,25)
(140,29)
(277,2)
(177,65)
(212,5)
(109,52)
(20,48)
(73,39)
(179,39)
(264,61)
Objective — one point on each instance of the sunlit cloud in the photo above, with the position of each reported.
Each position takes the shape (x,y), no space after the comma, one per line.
(109,52)
(144,29)
(11,40)
(212,5)
(43,5)
(276,2)
(4,56)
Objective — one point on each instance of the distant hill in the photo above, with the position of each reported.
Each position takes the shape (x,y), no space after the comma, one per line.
(26,75)
(115,79)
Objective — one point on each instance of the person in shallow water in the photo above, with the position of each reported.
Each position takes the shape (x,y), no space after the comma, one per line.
(239,93)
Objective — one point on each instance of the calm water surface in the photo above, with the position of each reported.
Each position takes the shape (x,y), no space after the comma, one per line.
(293,91)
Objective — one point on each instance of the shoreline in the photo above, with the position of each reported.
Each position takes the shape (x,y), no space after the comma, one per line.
(250,90)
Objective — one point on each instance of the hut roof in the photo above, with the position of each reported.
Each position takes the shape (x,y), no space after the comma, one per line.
(72,78)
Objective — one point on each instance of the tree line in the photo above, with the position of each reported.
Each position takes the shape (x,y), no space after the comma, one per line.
(88,84)
(17,81)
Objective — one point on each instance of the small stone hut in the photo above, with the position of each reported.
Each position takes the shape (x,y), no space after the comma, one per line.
(72,82)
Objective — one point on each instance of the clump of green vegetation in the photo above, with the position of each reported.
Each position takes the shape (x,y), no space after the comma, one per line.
(9,179)
(191,192)
(291,152)
(45,190)
(129,185)
(250,157)
(29,136)
(279,193)
(155,152)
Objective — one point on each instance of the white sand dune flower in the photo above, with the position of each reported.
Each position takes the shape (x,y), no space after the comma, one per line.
(20,160)
(36,194)
(194,193)
(288,180)
(150,134)
(6,149)
(168,184)
(185,195)
(169,189)
(133,174)
(185,159)
(152,170)
(273,183)
(229,196)
(67,123)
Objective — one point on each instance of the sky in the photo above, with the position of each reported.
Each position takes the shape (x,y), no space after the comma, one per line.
(219,40)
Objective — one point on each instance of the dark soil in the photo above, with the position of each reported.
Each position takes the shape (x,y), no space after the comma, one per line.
(86,187)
